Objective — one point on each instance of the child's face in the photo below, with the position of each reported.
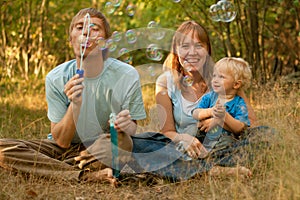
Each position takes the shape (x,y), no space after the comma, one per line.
(223,82)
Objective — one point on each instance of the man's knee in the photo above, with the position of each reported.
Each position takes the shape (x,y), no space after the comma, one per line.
(125,142)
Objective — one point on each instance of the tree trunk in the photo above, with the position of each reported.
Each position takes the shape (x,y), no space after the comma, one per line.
(40,57)
(254,26)
(25,49)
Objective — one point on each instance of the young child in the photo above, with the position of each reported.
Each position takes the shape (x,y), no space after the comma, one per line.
(228,110)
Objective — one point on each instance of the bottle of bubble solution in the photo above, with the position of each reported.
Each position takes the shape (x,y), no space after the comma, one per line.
(180,148)
(114,145)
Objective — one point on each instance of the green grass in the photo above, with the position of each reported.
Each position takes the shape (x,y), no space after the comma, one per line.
(276,173)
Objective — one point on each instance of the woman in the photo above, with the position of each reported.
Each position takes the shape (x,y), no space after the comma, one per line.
(178,90)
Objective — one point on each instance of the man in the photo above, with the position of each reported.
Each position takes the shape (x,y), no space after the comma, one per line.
(79,110)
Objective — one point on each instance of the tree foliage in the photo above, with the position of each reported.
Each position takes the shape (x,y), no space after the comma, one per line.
(34,34)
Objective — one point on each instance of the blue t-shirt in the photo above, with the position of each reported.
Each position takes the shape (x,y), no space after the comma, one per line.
(237,108)
(115,89)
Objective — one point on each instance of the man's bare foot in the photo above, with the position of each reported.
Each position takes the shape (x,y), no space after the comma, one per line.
(240,171)
(104,175)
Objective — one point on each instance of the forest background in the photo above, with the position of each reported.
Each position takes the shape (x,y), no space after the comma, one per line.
(34,34)
(266,33)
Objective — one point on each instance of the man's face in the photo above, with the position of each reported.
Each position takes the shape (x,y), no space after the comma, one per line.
(85,34)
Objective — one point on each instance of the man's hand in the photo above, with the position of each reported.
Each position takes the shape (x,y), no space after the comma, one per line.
(124,123)
(73,89)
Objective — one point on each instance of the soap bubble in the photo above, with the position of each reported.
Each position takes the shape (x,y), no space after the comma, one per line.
(116,3)
(186,66)
(152,24)
(130,10)
(188,80)
(124,55)
(111,45)
(93,31)
(222,11)
(81,39)
(101,42)
(153,52)
(116,36)
(131,36)
(109,7)
(123,51)
(151,71)
(155,32)
(228,13)
(214,12)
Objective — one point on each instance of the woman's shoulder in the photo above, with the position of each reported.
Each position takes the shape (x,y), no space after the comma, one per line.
(164,80)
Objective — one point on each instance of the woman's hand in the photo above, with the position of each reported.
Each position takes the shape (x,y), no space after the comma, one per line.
(73,89)
(192,145)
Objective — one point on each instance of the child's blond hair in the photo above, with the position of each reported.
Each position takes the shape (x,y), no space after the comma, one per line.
(238,68)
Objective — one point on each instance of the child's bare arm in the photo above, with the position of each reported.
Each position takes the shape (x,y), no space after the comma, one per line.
(233,125)
(226,121)
(202,113)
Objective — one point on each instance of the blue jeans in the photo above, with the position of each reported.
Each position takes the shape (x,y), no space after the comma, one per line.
(157,154)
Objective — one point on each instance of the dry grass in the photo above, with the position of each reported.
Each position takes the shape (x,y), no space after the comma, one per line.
(276,174)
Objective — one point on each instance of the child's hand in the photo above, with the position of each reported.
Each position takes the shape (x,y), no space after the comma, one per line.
(219,110)
(208,124)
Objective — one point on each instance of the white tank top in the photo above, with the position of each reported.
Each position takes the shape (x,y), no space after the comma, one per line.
(184,122)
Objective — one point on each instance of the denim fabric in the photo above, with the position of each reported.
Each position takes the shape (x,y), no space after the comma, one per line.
(154,153)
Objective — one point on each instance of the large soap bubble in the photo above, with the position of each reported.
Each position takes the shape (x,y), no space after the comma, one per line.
(214,12)
(222,11)
(228,12)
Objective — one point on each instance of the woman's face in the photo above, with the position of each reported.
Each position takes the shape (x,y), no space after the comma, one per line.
(192,53)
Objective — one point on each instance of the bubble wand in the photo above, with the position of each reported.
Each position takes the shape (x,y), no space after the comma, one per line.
(87,19)
(114,145)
